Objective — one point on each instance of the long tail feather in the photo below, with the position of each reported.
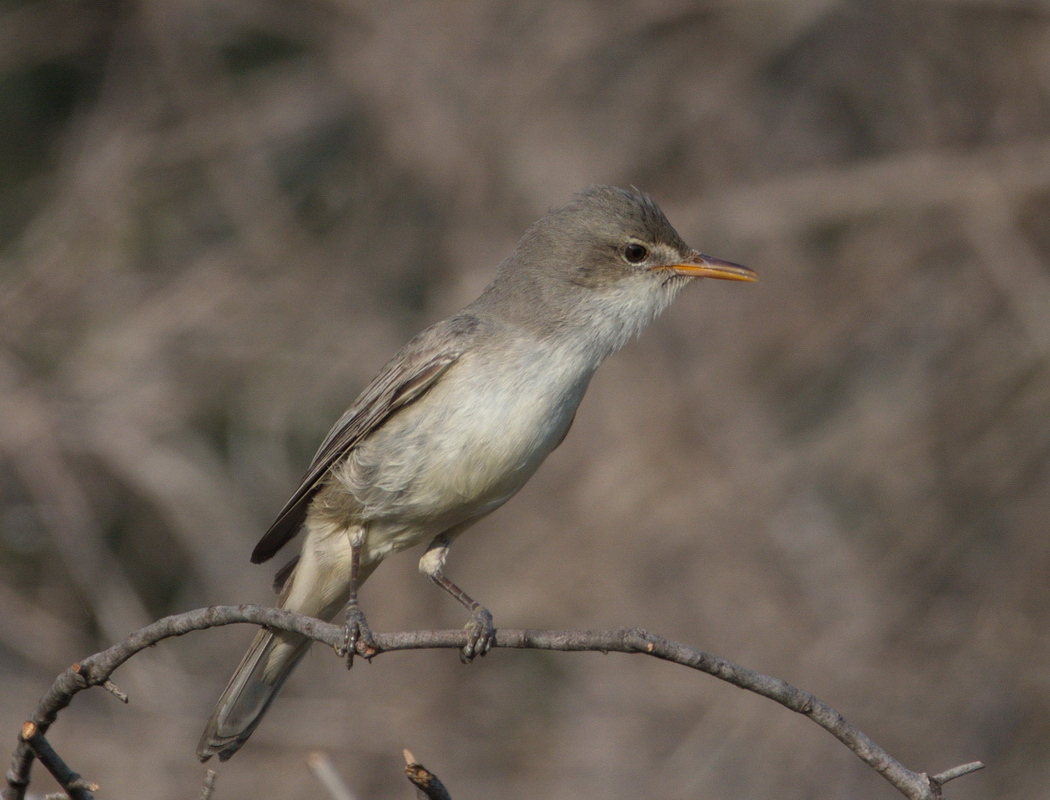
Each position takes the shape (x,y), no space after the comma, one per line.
(263,670)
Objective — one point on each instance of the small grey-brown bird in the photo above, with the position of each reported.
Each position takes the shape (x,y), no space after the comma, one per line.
(458,421)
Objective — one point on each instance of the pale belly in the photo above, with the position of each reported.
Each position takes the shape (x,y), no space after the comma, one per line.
(461,451)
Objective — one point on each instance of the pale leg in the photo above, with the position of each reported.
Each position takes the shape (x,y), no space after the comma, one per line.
(481,631)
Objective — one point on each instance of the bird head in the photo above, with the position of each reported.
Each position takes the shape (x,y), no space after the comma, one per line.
(607,262)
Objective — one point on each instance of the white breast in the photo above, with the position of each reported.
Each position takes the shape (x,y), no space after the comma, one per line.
(468,444)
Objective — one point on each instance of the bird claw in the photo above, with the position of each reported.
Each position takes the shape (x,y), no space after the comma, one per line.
(481,635)
(357,637)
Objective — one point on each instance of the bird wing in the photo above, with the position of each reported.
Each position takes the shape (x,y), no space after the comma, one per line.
(406,377)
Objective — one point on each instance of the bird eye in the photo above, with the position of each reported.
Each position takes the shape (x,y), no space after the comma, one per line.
(635,253)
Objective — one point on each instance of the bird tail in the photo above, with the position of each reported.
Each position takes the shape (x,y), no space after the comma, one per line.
(256,681)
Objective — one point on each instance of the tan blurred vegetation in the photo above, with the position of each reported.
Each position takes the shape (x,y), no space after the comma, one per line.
(219,217)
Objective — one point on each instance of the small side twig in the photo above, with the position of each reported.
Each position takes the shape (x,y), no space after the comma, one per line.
(325,771)
(426,782)
(942,778)
(111,687)
(73,785)
(209,785)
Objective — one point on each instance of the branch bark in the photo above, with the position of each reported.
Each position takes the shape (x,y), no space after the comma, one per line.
(75,787)
(97,669)
(428,785)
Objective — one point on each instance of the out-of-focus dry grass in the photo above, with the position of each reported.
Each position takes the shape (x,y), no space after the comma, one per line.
(218,218)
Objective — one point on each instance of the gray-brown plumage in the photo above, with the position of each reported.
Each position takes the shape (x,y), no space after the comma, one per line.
(458,421)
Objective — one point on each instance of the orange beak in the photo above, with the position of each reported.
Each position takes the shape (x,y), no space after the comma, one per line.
(701,266)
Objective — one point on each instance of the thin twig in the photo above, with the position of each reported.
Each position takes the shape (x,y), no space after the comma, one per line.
(325,771)
(209,785)
(71,782)
(913,182)
(111,687)
(942,778)
(96,670)
(426,782)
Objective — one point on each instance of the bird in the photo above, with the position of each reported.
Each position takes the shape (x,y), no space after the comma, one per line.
(457,422)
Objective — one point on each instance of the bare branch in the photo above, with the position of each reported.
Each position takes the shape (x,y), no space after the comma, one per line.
(1012,262)
(425,781)
(209,785)
(323,768)
(956,772)
(914,182)
(73,785)
(96,670)
(111,687)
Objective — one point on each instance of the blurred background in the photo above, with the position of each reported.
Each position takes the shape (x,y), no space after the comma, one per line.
(219,218)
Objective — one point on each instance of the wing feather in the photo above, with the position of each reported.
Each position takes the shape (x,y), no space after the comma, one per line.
(406,377)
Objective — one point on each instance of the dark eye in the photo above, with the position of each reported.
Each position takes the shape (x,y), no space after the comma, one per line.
(635,253)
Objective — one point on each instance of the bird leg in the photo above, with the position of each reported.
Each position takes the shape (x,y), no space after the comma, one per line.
(358,637)
(481,632)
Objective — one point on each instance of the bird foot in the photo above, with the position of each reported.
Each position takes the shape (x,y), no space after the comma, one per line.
(481,635)
(357,638)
